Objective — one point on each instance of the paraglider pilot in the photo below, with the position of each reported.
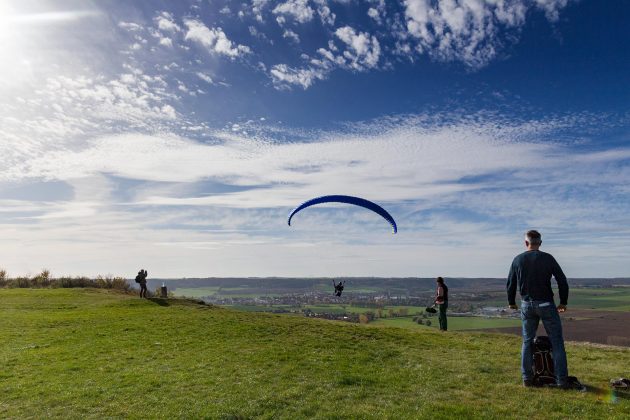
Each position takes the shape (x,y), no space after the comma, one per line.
(338,287)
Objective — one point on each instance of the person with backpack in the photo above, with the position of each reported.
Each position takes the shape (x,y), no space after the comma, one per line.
(531,274)
(141,279)
(441,300)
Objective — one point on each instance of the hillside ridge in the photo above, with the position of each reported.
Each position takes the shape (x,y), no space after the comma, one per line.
(77,353)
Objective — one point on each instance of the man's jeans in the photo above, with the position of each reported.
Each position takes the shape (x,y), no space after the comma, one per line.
(531,313)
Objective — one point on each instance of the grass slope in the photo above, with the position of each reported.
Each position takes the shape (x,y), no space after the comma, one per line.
(459,323)
(71,353)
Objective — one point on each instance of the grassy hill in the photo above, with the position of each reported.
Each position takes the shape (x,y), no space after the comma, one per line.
(96,353)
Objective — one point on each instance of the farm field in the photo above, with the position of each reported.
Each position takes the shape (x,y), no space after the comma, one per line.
(596,314)
(616,299)
(79,353)
(341,308)
(611,299)
(196,292)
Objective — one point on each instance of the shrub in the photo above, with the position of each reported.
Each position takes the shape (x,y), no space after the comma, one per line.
(42,279)
(45,280)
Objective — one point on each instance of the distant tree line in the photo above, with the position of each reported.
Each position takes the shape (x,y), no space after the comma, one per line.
(45,280)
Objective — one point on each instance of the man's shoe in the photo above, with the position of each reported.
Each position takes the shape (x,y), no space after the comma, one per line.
(528,383)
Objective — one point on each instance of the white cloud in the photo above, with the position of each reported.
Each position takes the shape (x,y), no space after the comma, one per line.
(205,78)
(165,22)
(363,50)
(167,42)
(258,7)
(420,168)
(130,26)
(168,111)
(284,76)
(467,30)
(60,112)
(373,13)
(327,17)
(292,36)
(551,7)
(214,40)
(378,11)
(297,9)
(400,160)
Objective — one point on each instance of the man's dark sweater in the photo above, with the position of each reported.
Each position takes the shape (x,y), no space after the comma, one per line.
(532,271)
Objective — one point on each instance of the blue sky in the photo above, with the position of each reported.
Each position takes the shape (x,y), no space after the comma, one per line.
(177,136)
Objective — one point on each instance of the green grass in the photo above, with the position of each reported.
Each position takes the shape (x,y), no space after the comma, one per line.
(458,323)
(70,353)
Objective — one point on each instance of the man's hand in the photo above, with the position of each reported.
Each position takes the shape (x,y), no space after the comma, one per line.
(562,308)
(513,307)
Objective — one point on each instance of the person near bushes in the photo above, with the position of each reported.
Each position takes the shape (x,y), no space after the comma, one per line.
(141,279)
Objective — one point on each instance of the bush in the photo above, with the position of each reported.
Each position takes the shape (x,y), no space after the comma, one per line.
(45,280)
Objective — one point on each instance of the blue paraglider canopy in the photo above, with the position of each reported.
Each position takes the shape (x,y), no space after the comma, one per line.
(348,200)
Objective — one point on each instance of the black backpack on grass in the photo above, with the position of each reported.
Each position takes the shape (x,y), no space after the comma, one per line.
(543,362)
(544,368)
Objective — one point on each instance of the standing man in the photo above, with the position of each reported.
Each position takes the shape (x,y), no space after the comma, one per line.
(141,278)
(441,299)
(531,272)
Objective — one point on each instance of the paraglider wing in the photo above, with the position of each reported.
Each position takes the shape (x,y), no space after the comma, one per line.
(348,200)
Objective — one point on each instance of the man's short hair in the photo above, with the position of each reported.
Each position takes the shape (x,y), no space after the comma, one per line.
(533,237)
(440,280)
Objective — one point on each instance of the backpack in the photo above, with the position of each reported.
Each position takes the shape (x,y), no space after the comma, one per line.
(544,368)
(543,362)
(138,277)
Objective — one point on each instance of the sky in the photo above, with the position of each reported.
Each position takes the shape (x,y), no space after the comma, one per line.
(177,136)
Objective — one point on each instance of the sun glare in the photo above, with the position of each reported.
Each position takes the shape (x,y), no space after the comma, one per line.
(12,58)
